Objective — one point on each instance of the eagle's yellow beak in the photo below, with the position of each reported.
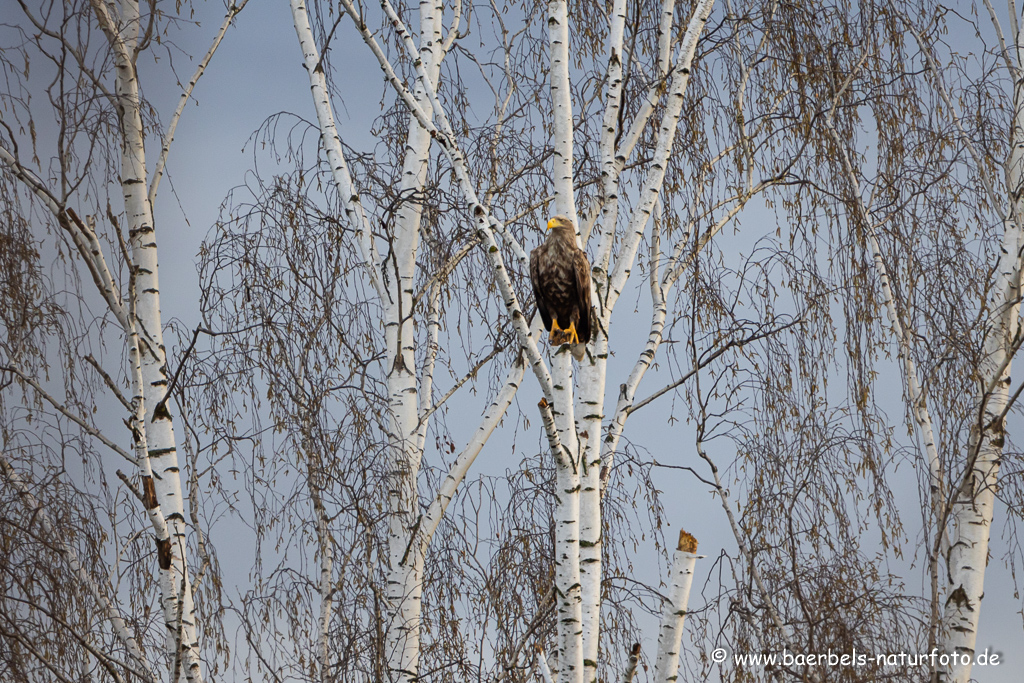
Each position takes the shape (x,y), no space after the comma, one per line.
(552,224)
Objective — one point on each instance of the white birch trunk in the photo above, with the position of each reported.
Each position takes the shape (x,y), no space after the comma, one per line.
(568,612)
(607,286)
(670,636)
(593,368)
(569,609)
(174,587)
(122,33)
(172,600)
(972,508)
(545,670)
(591,399)
(404,581)
(561,104)
(332,147)
(568,471)
(323,535)
(406,570)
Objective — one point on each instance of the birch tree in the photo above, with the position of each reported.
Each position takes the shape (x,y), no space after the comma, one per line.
(974,476)
(971,395)
(75,131)
(923,222)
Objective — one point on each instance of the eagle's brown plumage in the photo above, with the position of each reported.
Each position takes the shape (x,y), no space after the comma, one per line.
(560,275)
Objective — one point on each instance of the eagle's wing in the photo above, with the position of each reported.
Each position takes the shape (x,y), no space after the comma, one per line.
(581,268)
(542,305)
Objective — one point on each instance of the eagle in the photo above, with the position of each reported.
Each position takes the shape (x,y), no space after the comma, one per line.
(560,275)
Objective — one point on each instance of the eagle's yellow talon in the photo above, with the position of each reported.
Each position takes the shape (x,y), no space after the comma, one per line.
(556,332)
(563,335)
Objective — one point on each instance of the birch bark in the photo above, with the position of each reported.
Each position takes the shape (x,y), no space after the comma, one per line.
(670,636)
(972,507)
(572,630)
(973,502)
(593,369)
(139,314)
(409,533)
(406,568)
(122,33)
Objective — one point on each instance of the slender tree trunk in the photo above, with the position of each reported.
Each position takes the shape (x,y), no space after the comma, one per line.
(577,460)
(591,401)
(568,470)
(405,575)
(122,32)
(972,507)
(670,636)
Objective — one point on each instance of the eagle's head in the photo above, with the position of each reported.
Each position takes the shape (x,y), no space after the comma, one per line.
(562,228)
